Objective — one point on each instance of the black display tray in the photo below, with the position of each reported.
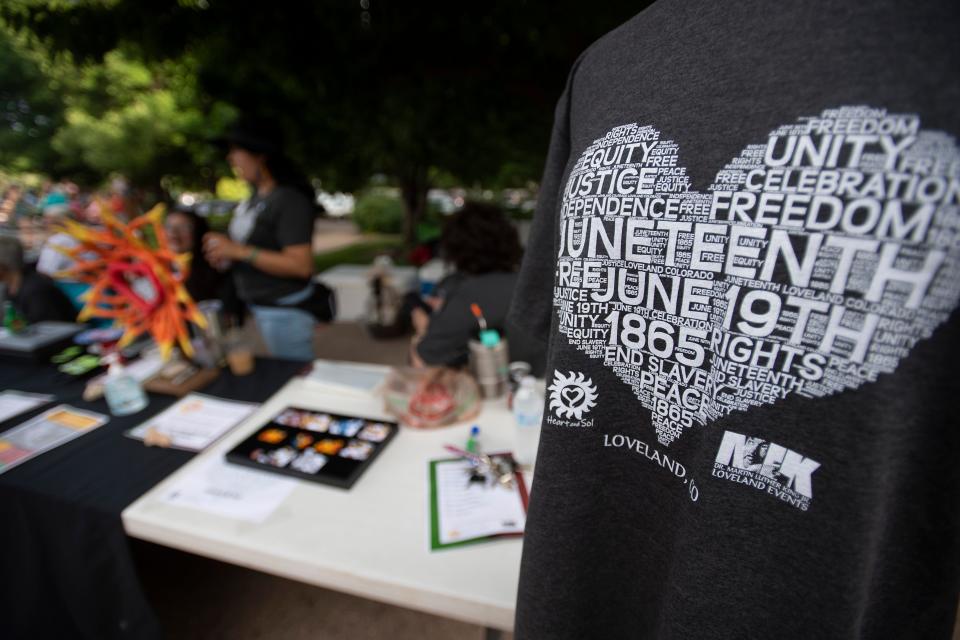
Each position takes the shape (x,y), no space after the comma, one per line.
(298,439)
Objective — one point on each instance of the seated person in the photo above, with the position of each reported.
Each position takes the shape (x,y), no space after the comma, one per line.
(34,295)
(185,230)
(483,246)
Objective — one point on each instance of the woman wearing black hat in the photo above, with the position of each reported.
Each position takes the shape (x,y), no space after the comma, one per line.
(269,245)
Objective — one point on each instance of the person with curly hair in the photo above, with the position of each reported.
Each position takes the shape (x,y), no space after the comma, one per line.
(482,245)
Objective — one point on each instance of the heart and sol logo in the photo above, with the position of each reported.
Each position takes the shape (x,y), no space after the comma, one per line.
(572,395)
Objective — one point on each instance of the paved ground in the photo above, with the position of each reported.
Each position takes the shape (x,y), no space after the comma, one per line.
(344,341)
(201,599)
(197,598)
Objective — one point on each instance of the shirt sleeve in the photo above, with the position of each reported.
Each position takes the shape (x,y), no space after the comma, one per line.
(533,298)
(296,219)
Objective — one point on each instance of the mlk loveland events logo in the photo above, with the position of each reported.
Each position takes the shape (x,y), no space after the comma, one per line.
(572,395)
(766,466)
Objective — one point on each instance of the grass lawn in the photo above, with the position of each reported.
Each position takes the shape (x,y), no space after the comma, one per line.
(362,252)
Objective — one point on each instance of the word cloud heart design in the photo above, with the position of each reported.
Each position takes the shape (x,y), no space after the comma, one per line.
(814,262)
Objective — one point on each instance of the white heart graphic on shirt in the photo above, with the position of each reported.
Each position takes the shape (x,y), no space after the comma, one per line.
(813,263)
(573,396)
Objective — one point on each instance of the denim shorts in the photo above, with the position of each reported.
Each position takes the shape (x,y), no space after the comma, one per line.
(288,331)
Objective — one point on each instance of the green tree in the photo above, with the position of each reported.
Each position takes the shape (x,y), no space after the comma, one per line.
(31,108)
(364,87)
(146,122)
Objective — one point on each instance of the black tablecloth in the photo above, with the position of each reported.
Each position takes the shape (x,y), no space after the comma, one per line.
(65,567)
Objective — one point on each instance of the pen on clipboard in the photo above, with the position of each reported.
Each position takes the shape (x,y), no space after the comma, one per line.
(463,453)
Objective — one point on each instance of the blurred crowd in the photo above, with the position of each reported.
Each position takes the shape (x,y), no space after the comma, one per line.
(32,283)
(262,265)
(34,215)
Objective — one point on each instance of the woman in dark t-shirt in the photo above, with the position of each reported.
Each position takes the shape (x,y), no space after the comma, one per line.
(269,245)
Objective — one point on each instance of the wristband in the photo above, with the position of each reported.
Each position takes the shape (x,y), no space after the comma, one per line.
(253,255)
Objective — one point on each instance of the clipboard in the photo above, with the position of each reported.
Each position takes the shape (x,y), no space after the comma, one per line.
(467,515)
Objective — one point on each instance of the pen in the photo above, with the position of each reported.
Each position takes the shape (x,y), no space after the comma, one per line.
(478,314)
(464,453)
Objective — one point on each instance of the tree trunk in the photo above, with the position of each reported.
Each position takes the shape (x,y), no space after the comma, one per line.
(413,192)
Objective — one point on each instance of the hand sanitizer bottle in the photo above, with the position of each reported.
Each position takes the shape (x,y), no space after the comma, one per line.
(527,411)
(123,393)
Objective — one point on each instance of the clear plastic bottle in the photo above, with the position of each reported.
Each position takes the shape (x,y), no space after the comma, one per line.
(527,412)
(123,392)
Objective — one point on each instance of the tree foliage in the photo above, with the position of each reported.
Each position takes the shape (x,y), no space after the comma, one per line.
(144,121)
(31,111)
(359,87)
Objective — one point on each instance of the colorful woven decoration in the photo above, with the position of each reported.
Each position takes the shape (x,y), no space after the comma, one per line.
(135,279)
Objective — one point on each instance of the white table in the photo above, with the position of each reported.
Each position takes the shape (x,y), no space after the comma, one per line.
(371,541)
(351,282)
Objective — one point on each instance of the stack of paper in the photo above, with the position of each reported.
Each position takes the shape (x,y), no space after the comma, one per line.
(349,376)
(194,421)
(48,430)
(13,403)
(224,489)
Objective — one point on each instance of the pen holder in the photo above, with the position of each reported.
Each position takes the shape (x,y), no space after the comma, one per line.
(490,366)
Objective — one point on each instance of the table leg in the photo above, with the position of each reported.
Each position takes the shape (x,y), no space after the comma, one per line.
(492,634)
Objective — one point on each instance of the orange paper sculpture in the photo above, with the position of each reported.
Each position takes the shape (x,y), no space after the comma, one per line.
(135,279)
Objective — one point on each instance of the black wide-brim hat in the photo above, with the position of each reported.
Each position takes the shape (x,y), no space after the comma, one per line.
(255,136)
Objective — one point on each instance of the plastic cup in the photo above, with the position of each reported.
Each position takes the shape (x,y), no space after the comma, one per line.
(239,356)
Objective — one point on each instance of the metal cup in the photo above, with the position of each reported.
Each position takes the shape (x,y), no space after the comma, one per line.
(490,367)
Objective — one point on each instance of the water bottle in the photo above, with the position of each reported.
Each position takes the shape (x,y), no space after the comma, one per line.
(123,393)
(527,411)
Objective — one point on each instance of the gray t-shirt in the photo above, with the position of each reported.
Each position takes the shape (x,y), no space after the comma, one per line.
(282,218)
(746,261)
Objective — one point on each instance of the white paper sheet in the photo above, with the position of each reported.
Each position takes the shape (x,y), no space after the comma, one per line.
(196,420)
(14,403)
(352,376)
(469,510)
(229,490)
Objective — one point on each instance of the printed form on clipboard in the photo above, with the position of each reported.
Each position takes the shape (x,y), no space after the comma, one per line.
(466,510)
